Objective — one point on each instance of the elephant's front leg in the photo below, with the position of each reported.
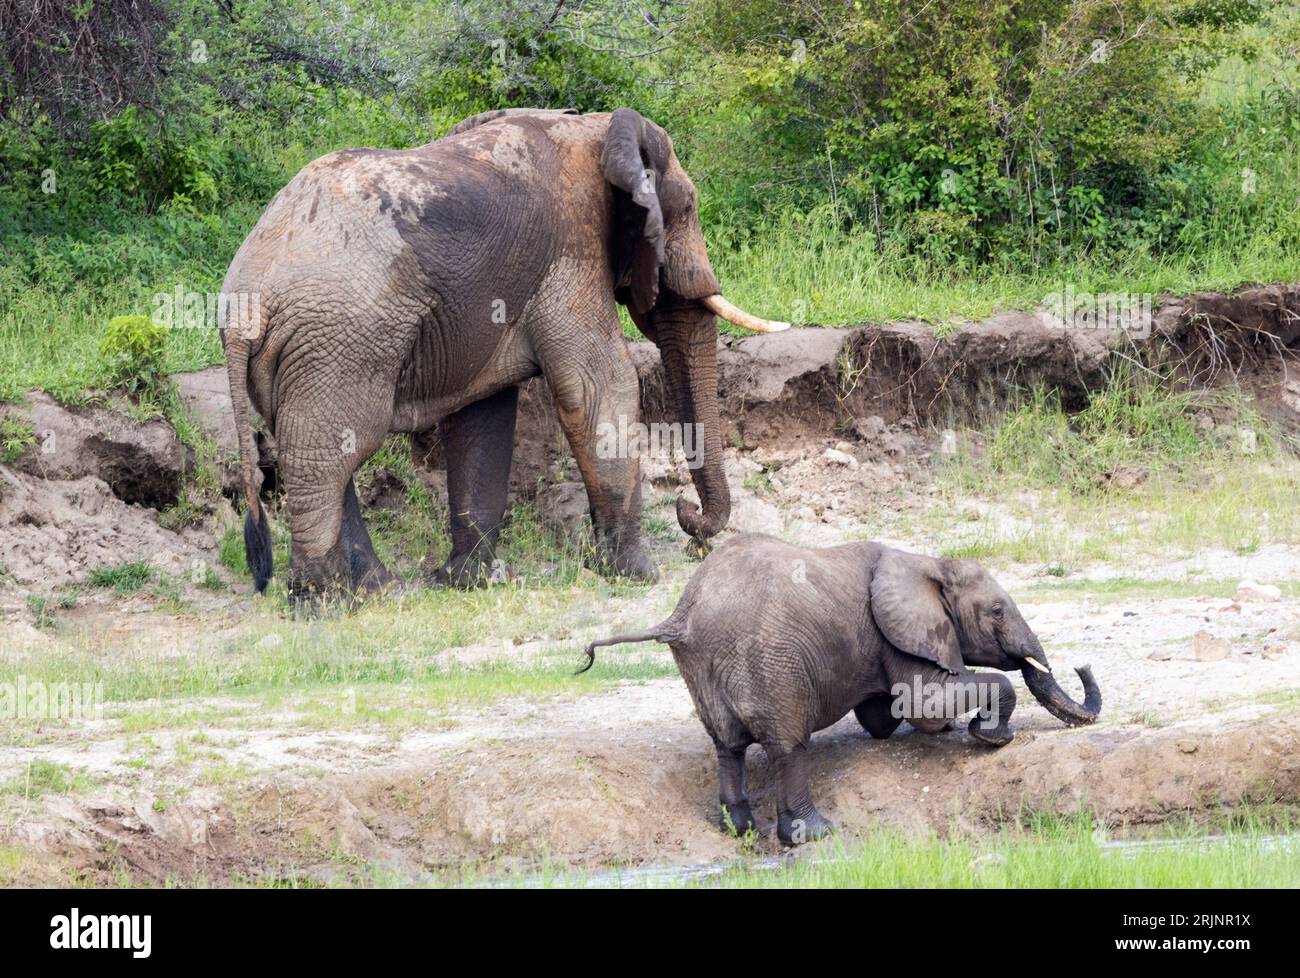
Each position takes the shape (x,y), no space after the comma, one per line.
(877,715)
(944,697)
(996,699)
(797,818)
(597,397)
(478,441)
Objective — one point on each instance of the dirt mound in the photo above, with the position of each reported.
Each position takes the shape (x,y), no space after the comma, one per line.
(141,461)
(822,418)
(780,390)
(55,532)
(649,797)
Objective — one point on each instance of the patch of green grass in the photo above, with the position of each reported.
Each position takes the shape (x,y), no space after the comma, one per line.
(1064,854)
(806,268)
(38,605)
(383,642)
(230,551)
(1140,465)
(1136,427)
(41,776)
(16,436)
(123,579)
(1130,588)
(1236,507)
(422,704)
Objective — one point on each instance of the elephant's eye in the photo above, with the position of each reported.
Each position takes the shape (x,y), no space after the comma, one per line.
(997,611)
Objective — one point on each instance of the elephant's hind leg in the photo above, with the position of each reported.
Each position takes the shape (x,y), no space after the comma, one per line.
(797,818)
(323,434)
(367,571)
(733,796)
(478,441)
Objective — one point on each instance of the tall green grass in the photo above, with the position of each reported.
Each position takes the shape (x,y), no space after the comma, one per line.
(1145,465)
(1065,854)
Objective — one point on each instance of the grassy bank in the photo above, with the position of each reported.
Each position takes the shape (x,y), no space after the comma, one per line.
(1061,854)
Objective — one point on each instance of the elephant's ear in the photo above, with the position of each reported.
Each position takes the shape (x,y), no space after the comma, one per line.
(633,161)
(908,607)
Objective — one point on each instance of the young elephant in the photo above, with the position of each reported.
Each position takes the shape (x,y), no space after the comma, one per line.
(777,641)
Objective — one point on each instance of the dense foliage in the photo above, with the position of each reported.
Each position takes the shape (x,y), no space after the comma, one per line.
(927,141)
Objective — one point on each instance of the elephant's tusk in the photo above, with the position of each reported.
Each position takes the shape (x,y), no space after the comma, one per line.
(738,317)
(1037,665)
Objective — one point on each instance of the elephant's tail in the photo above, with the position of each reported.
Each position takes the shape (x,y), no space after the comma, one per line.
(666,631)
(257,532)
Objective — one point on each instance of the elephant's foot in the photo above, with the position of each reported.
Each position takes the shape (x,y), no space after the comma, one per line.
(308,599)
(635,563)
(994,735)
(314,585)
(375,579)
(468,571)
(737,818)
(794,829)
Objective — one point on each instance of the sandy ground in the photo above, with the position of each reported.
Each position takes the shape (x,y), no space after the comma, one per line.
(626,776)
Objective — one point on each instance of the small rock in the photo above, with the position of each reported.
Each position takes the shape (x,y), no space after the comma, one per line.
(1188,746)
(988,859)
(1208,648)
(870,427)
(1251,591)
(1122,478)
(838,457)
(1161,655)
(752,515)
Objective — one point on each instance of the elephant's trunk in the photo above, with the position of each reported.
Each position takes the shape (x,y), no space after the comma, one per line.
(1048,692)
(688,342)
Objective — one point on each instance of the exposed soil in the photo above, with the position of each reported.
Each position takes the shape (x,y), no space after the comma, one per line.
(628,776)
(825,438)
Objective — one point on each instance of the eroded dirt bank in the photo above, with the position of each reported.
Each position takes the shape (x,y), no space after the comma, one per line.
(645,794)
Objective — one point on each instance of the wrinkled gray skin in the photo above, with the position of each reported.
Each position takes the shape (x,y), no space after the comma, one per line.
(777,641)
(398,290)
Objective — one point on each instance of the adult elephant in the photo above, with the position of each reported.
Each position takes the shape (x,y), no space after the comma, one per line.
(395,290)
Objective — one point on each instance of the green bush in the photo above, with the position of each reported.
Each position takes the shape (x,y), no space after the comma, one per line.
(134,348)
(963,131)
